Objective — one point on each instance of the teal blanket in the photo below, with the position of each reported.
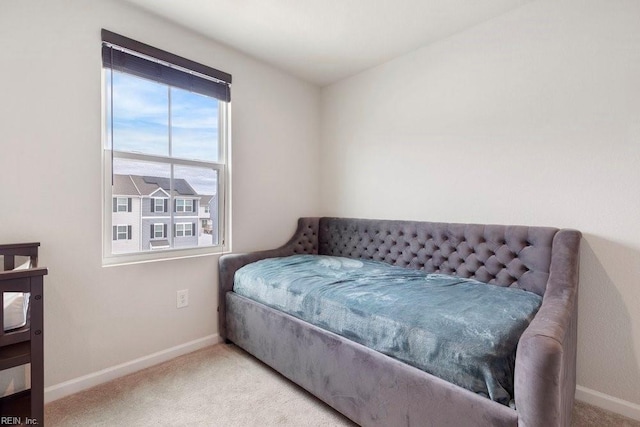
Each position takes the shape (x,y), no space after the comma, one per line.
(461,330)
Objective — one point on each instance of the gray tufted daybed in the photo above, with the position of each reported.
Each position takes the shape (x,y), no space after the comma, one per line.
(372,388)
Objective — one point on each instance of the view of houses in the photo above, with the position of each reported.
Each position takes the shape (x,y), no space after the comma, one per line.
(149,215)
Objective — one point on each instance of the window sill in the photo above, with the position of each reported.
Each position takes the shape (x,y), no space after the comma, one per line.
(161,255)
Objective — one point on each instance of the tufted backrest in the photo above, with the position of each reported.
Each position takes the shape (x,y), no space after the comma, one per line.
(305,240)
(515,256)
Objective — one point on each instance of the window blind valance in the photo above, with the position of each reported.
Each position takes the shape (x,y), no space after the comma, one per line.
(124,54)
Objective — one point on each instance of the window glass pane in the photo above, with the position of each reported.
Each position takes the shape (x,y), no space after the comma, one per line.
(194,126)
(140,182)
(192,220)
(107,100)
(122,204)
(140,168)
(159,205)
(158,231)
(122,232)
(140,114)
(202,226)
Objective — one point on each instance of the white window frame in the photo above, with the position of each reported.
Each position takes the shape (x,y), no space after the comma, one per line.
(223,189)
(119,204)
(155,204)
(182,205)
(118,232)
(155,231)
(182,227)
(207,209)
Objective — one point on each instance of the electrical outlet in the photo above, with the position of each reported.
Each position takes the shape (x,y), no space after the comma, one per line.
(183,298)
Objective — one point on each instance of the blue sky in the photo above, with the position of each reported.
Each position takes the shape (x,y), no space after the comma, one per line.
(141,124)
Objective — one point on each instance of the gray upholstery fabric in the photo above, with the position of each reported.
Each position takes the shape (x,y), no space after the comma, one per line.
(545,375)
(366,386)
(304,241)
(502,255)
(539,259)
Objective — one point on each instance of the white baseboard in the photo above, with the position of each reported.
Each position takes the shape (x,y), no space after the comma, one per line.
(610,403)
(84,382)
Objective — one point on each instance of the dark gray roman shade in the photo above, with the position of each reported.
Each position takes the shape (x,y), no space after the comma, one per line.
(124,54)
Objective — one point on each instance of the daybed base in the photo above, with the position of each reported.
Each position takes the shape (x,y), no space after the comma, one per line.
(374,389)
(368,387)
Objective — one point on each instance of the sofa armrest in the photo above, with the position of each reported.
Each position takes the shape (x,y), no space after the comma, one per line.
(304,241)
(545,370)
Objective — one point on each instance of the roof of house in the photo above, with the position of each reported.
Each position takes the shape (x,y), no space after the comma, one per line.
(123,185)
(136,185)
(205,199)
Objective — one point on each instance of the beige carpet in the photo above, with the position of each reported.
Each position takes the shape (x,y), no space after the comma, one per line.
(220,386)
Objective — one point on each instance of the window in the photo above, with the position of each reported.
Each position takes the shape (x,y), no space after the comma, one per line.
(165,146)
(158,231)
(207,209)
(185,229)
(122,204)
(159,205)
(183,205)
(121,232)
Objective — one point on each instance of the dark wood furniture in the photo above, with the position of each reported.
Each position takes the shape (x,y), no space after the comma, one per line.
(25,344)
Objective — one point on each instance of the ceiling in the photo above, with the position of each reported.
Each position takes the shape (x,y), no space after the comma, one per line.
(323,41)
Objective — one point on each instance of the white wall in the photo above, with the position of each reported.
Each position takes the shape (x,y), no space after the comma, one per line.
(50,162)
(530,118)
